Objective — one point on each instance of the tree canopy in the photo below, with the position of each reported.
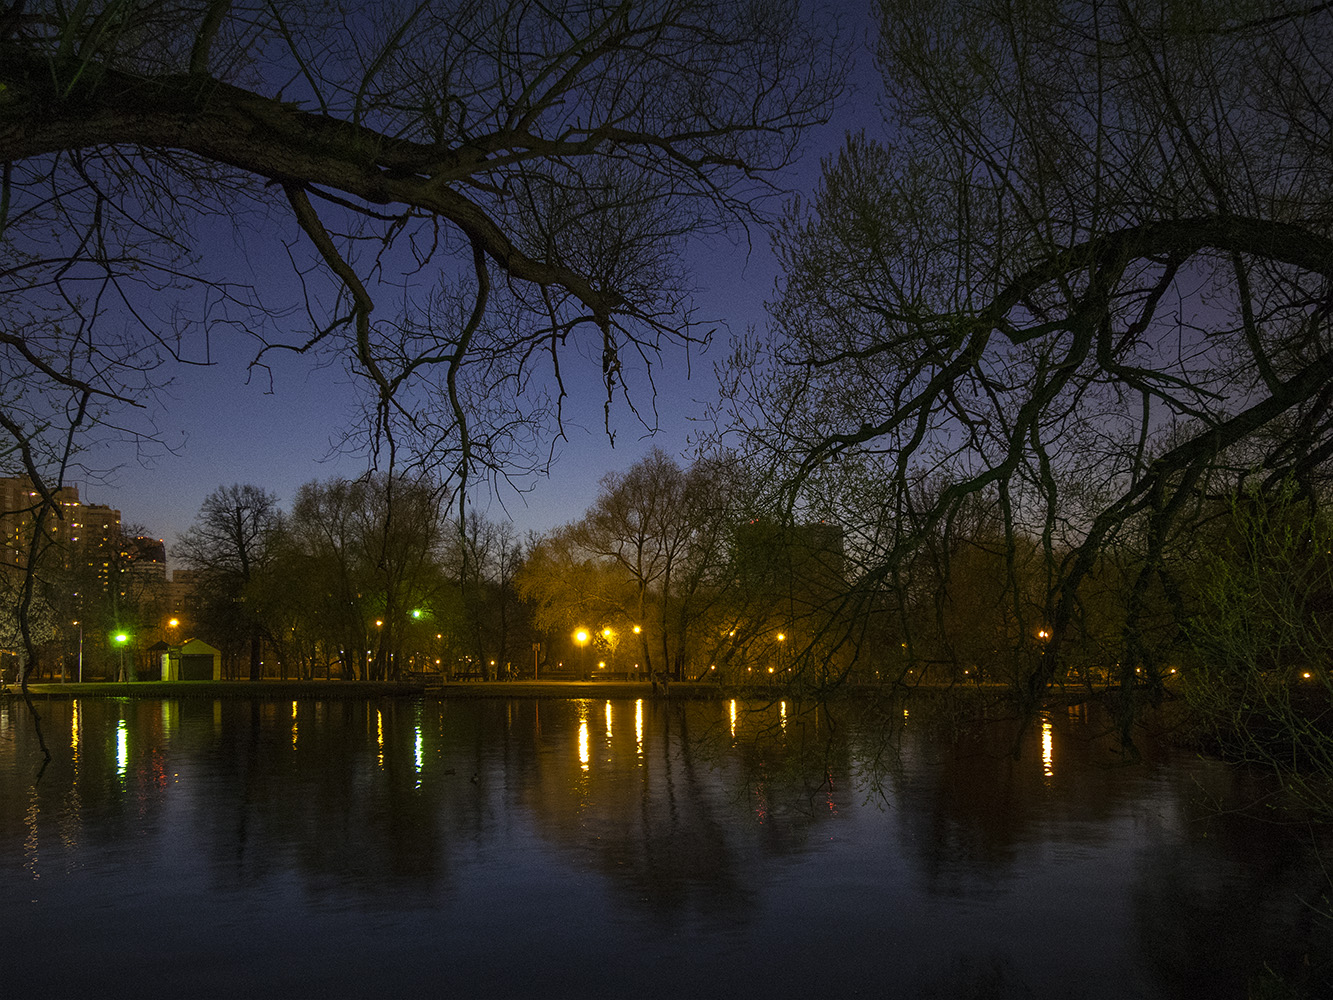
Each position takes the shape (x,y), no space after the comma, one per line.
(1084,275)
(512,176)
(516,179)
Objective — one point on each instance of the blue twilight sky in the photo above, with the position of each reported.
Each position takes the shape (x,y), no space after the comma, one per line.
(223,426)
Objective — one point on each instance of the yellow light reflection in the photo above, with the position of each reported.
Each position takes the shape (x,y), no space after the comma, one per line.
(420,757)
(122,748)
(782,714)
(733,718)
(583,744)
(608,722)
(293,725)
(638,726)
(74,726)
(1047,749)
(379,736)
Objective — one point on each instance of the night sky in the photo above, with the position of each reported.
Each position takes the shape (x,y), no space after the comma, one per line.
(226,425)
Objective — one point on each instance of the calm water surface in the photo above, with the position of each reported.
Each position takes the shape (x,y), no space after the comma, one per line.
(609,849)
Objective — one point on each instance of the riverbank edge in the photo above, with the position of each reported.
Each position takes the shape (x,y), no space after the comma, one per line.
(463,690)
(305,690)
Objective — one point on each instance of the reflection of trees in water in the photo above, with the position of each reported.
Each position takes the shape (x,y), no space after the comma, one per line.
(328,794)
(677,817)
(379,799)
(973,807)
(85,776)
(677,821)
(256,793)
(1242,905)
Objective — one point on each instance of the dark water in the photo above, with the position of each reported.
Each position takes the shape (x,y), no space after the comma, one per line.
(607,849)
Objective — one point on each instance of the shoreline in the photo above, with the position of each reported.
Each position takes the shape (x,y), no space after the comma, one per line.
(300,690)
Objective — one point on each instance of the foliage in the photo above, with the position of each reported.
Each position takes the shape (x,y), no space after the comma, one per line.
(371,551)
(39,623)
(231,544)
(651,552)
(1085,272)
(521,176)
(1259,685)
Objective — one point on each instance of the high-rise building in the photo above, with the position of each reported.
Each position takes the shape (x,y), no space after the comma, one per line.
(20,505)
(144,567)
(184,592)
(101,543)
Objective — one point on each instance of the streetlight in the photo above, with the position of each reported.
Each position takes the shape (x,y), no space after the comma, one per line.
(120,638)
(581,637)
(80,624)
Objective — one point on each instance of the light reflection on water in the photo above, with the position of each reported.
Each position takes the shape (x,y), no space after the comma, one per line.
(1047,750)
(481,847)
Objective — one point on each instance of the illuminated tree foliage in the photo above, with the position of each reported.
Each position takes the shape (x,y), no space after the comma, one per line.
(1085,275)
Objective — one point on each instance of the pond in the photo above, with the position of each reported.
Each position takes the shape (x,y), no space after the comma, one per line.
(600,848)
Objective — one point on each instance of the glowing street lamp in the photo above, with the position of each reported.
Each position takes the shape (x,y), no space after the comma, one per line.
(581,637)
(120,639)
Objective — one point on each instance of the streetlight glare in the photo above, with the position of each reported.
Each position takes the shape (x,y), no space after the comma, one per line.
(581,636)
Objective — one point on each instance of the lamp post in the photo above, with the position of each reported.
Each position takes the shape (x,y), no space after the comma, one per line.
(120,638)
(80,624)
(581,637)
